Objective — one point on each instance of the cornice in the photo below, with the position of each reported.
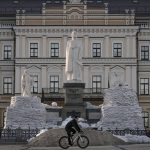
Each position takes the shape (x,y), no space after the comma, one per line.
(145,63)
(6,33)
(86,61)
(55,30)
(147,33)
(7,62)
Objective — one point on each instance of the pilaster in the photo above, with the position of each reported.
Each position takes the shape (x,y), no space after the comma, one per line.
(17,46)
(107,79)
(17,80)
(128,47)
(134,78)
(44,48)
(86,46)
(44,77)
(64,46)
(106,39)
(128,75)
(134,46)
(86,76)
(23,42)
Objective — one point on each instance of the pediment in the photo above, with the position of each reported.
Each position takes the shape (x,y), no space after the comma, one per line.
(97,69)
(32,68)
(54,69)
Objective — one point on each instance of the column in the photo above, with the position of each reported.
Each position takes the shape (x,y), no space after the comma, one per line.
(23,47)
(86,46)
(134,77)
(86,76)
(128,76)
(106,50)
(106,76)
(128,46)
(17,46)
(17,80)
(44,77)
(44,47)
(63,54)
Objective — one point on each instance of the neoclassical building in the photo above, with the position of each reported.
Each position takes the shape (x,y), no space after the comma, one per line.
(114,38)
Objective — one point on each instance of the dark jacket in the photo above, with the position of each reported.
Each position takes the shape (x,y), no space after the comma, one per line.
(71,124)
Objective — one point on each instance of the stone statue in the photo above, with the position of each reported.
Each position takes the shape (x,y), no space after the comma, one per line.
(26,84)
(116,79)
(73,58)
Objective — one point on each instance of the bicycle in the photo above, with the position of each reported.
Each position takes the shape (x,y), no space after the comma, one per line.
(82,141)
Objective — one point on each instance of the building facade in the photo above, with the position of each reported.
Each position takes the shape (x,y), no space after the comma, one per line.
(112,41)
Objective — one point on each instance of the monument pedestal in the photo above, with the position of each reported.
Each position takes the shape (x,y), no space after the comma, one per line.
(74,99)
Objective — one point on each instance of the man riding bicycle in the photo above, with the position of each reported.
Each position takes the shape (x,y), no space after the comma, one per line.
(71,126)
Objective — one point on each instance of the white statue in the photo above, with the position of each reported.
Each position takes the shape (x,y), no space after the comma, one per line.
(26,84)
(73,58)
(116,79)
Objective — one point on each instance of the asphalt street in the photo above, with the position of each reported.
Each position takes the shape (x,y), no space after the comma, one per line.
(116,147)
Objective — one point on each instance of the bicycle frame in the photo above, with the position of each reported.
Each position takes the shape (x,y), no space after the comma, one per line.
(76,137)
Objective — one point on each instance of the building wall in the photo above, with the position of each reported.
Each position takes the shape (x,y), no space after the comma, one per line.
(56,25)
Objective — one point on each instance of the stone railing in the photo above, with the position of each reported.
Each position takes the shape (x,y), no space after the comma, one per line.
(59,93)
(7,25)
(147,26)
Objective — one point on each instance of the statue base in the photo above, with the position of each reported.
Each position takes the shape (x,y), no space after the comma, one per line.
(74,99)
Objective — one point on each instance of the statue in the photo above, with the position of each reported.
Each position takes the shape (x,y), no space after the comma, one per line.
(26,84)
(116,79)
(73,58)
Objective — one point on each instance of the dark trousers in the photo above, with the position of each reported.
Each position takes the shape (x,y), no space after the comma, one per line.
(70,132)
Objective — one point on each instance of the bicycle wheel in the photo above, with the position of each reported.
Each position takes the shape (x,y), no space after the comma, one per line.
(63,142)
(83,141)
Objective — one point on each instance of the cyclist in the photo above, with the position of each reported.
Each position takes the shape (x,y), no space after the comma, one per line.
(70,128)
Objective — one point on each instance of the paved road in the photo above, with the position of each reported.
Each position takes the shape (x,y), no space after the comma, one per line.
(117,147)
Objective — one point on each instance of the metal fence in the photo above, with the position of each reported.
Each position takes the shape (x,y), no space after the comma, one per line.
(128,131)
(17,135)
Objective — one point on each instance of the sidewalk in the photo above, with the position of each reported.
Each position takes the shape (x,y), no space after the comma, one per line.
(117,147)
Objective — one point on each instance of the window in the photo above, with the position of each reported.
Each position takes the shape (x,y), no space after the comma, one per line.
(144,86)
(35,84)
(7,85)
(96,49)
(7,51)
(144,52)
(33,49)
(54,84)
(146,119)
(117,49)
(96,83)
(54,49)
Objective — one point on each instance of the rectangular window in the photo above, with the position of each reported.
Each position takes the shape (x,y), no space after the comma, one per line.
(144,52)
(96,49)
(7,85)
(7,51)
(96,83)
(146,119)
(144,86)
(35,84)
(54,49)
(33,49)
(117,49)
(54,84)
